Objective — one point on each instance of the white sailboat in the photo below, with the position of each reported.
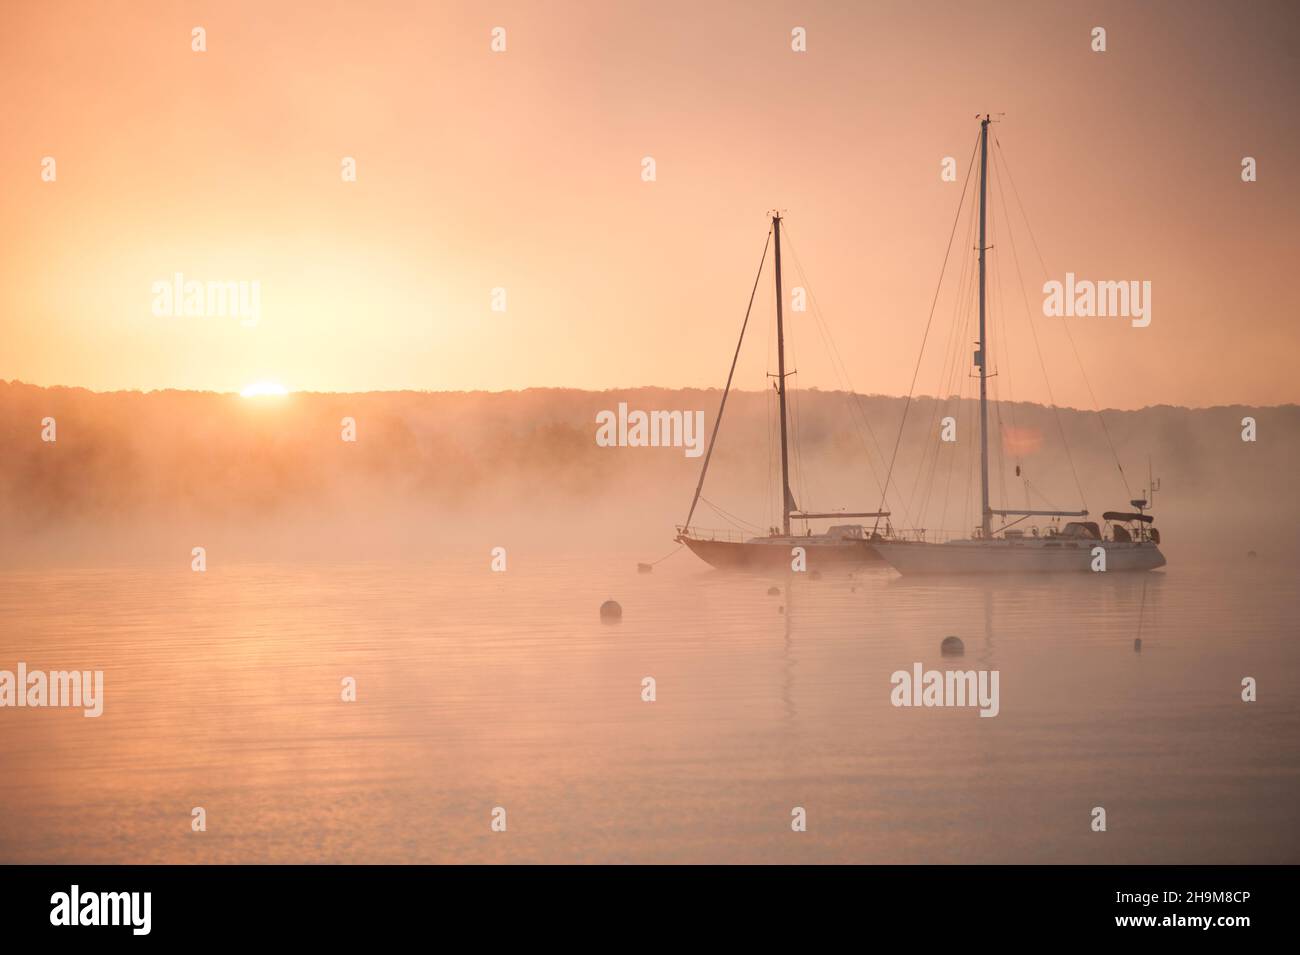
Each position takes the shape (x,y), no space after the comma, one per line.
(1128,542)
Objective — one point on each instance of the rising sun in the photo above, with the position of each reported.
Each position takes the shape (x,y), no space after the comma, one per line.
(259,388)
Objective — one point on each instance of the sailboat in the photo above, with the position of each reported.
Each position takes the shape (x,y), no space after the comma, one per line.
(1130,542)
(839,544)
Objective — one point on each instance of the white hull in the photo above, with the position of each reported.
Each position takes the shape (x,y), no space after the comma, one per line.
(1031,556)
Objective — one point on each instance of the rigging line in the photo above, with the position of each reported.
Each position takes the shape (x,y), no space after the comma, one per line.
(950,359)
(935,301)
(953,458)
(839,367)
(844,381)
(849,393)
(993,343)
(973,504)
(1001,454)
(1011,391)
(1000,311)
(950,388)
(704,469)
(1004,336)
(1015,254)
(947,488)
(1004,356)
(733,519)
(952,382)
(1004,353)
(734,525)
(850,396)
(1047,382)
(1068,334)
(952,350)
(1031,489)
(957,383)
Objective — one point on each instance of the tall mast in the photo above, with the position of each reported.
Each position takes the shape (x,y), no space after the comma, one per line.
(786,496)
(981,356)
(981,359)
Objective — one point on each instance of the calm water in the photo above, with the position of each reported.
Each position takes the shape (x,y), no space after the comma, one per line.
(478,689)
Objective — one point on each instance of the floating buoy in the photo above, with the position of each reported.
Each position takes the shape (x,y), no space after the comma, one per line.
(644,568)
(611,611)
(1251,553)
(952,647)
(1137,645)
(780,610)
(774,591)
(814,575)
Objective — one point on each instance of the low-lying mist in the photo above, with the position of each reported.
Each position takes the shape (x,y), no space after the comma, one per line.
(144,477)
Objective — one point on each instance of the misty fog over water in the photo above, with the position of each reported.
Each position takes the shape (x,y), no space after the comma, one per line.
(145,477)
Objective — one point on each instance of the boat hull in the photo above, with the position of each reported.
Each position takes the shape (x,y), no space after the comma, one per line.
(1004,557)
(778,552)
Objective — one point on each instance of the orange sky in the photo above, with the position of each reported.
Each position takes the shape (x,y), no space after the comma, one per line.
(522,170)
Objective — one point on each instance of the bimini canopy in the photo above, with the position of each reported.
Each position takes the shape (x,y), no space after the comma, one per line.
(1120,516)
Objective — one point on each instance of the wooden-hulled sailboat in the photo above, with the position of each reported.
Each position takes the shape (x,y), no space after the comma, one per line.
(840,544)
(1132,543)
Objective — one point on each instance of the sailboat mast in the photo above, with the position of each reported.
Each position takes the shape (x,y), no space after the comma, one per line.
(786,496)
(981,356)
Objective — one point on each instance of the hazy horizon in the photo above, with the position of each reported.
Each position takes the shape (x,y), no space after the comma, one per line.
(704,389)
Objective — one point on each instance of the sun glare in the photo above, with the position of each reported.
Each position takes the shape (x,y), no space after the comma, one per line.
(260,388)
